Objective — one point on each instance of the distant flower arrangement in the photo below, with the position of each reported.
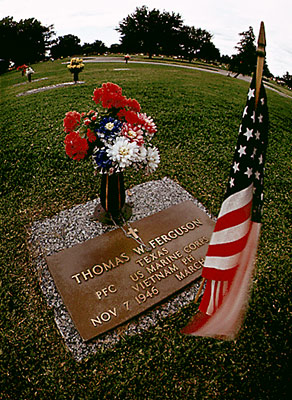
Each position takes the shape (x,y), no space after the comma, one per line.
(29,71)
(22,67)
(117,137)
(76,65)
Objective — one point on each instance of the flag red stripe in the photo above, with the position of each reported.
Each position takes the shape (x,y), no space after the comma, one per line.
(235,217)
(220,275)
(227,249)
(226,320)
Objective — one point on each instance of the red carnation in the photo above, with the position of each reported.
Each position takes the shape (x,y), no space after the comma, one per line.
(71,121)
(112,87)
(118,101)
(91,136)
(97,95)
(75,146)
(109,95)
(133,105)
(131,117)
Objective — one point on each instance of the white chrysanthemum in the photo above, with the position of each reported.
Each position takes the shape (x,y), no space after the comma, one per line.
(153,159)
(123,152)
(142,154)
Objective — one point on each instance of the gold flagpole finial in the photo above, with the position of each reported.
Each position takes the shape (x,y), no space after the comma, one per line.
(261,52)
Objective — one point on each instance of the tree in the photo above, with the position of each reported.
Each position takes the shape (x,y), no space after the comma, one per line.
(66,46)
(192,41)
(97,47)
(115,48)
(287,78)
(150,32)
(209,52)
(225,59)
(169,33)
(25,41)
(244,62)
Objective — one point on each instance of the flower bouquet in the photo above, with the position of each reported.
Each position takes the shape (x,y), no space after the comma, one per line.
(29,73)
(117,136)
(76,65)
(22,68)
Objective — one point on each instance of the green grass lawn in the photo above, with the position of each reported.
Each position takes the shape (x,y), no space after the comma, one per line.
(198,116)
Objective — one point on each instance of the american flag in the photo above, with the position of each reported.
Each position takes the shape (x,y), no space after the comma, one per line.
(229,261)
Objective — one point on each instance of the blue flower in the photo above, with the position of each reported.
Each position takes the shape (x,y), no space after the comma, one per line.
(109,127)
(101,159)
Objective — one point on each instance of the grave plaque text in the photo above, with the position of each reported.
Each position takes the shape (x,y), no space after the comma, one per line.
(107,280)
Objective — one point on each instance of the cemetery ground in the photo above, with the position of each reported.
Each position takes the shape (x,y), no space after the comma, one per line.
(198,115)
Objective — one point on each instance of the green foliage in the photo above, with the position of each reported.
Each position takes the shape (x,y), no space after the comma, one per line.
(196,43)
(244,62)
(98,47)
(155,32)
(149,31)
(24,41)
(198,115)
(65,46)
(287,78)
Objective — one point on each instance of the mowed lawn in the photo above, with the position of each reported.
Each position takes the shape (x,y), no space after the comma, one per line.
(198,115)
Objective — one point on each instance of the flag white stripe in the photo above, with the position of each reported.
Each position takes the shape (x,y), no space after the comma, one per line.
(211,302)
(230,234)
(222,263)
(236,201)
(217,293)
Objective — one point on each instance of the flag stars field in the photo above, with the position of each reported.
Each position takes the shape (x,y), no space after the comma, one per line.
(248,172)
(241,150)
(250,93)
(248,133)
(253,153)
(245,112)
(235,166)
(257,175)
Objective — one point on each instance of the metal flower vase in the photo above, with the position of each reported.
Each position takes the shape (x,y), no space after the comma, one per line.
(113,208)
(75,76)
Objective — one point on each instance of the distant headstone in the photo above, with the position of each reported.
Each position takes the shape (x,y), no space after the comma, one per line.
(108,280)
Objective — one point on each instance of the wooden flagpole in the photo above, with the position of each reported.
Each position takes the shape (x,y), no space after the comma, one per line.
(199,291)
(261,52)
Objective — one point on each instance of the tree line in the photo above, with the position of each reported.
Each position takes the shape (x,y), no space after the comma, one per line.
(144,31)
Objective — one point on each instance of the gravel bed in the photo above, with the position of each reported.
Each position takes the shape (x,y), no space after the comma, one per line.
(74,226)
(44,88)
(32,81)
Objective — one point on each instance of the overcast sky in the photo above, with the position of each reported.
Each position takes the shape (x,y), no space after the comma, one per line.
(224,19)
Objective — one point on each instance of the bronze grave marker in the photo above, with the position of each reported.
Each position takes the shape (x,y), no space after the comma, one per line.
(108,280)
